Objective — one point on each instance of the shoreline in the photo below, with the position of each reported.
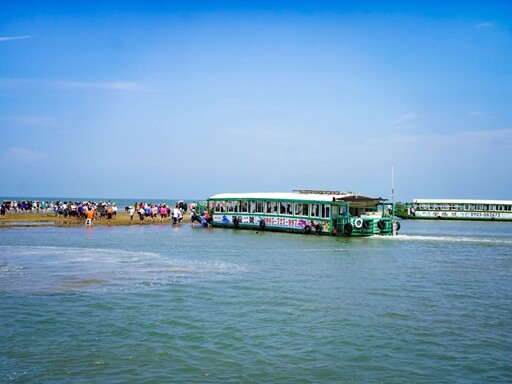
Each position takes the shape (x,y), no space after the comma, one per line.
(21,219)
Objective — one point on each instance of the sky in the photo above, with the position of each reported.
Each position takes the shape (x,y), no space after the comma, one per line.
(187,99)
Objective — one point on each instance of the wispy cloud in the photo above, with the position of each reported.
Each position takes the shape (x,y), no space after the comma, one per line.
(14,83)
(406,117)
(257,133)
(24,155)
(486,25)
(496,138)
(9,38)
(113,86)
(35,121)
(405,120)
(109,86)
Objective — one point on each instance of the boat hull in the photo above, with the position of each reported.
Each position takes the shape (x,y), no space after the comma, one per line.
(341,227)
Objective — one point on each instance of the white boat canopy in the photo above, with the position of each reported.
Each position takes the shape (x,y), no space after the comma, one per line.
(303,195)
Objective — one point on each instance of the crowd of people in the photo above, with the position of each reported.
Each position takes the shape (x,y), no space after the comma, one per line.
(90,211)
(151,211)
(27,206)
(163,212)
(62,209)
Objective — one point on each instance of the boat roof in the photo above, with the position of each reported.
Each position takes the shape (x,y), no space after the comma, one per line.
(308,195)
(462,201)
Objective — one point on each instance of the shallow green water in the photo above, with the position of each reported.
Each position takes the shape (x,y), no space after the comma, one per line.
(161,304)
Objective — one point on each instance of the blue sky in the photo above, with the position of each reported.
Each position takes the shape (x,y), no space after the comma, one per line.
(190,99)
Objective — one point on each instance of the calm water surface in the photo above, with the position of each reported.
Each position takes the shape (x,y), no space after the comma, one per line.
(158,304)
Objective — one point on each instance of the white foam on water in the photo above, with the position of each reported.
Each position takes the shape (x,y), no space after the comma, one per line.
(39,269)
(451,239)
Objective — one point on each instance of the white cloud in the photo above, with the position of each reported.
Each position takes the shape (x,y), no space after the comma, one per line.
(25,155)
(9,38)
(486,25)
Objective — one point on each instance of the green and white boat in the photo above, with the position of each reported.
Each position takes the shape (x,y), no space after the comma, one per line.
(332,213)
(458,209)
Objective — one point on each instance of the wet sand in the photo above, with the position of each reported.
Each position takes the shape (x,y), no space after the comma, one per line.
(11,220)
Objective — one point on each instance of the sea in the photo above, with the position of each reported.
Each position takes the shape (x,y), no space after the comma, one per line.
(164,304)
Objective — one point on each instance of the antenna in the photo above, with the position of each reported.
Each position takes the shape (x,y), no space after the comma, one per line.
(393,223)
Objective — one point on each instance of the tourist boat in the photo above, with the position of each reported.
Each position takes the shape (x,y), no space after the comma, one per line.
(305,211)
(457,209)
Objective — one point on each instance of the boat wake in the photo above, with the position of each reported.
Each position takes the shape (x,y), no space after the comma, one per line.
(450,239)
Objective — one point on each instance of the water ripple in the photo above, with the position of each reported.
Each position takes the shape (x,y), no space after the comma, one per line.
(43,269)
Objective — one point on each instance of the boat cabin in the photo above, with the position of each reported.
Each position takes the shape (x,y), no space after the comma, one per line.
(304,211)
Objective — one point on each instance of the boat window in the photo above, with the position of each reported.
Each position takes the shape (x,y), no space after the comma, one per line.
(244,206)
(326,211)
(301,209)
(260,207)
(272,207)
(492,207)
(252,207)
(315,210)
(343,210)
(232,206)
(257,206)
